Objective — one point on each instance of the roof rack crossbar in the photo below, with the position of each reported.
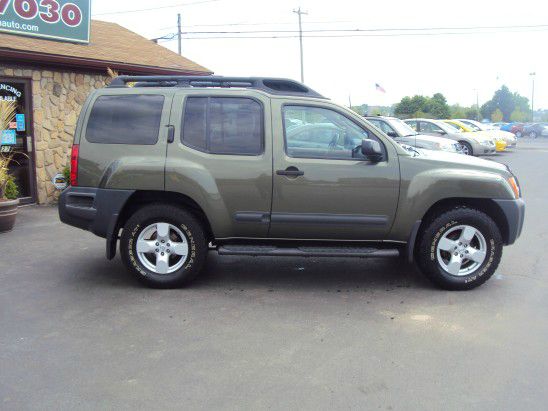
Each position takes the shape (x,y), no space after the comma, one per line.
(270,85)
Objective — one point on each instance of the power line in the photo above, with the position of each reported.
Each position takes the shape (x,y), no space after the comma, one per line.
(155,8)
(367,30)
(355,35)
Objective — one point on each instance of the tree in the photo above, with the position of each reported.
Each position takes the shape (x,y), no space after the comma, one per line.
(506,102)
(432,107)
(518,116)
(497,116)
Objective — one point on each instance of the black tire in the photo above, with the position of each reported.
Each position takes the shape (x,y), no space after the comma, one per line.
(184,221)
(519,134)
(468,147)
(533,134)
(426,255)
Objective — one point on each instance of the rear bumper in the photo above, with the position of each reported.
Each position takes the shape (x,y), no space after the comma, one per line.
(514,211)
(92,209)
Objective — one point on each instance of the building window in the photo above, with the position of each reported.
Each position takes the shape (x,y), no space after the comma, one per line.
(130,119)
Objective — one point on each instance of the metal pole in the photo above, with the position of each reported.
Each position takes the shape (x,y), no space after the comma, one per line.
(477,106)
(300,13)
(533,98)
(179,32)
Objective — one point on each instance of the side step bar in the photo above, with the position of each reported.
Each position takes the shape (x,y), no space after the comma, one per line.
(267,250)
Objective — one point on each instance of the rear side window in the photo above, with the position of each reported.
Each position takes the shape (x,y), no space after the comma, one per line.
(131,119)
(223,125)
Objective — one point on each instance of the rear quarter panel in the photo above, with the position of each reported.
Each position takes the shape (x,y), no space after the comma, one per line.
(123,166)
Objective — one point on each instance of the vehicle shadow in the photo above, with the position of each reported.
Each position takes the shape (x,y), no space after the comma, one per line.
(268,273)
(289,273)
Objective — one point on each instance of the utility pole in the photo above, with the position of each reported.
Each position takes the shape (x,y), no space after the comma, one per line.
(533,97)
(477,105)
(300,13)
(179,32)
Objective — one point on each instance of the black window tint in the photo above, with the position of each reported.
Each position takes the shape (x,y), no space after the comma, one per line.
(223,125)
(131,119)
(194,123)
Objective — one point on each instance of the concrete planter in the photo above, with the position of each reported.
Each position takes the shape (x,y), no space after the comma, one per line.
(8,213)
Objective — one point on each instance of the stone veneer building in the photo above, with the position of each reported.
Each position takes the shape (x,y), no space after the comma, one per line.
(50,81)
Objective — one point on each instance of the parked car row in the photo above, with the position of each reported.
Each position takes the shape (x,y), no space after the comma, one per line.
(460,136)
(532,130)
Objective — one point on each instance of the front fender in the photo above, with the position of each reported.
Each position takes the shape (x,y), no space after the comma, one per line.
(423,186)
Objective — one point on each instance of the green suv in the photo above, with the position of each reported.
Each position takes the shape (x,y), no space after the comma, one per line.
(173,167)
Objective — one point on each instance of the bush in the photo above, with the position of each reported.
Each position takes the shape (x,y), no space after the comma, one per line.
(66,174)
(11,191)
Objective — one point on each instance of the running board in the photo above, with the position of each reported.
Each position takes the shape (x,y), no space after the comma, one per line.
(267,250)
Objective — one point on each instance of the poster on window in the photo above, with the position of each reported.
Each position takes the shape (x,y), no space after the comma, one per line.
(8,138)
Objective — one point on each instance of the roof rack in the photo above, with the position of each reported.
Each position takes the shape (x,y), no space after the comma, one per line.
(278,86)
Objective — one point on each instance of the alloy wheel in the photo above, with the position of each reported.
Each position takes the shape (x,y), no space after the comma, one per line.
(461,250)
(162,248)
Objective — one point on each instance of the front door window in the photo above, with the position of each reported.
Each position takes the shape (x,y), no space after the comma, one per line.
(315,132)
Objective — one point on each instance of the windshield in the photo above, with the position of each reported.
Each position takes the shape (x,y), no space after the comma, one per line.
(473,126)
(401,128)
(451,127)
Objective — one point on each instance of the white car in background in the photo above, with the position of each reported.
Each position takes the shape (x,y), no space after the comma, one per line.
(404,135)
(510,139)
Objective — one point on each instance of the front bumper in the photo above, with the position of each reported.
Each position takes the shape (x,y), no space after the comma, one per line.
(514,211)
(500,145)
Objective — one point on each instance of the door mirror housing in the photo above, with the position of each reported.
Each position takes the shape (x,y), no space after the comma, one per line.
(371,149)
(392,134)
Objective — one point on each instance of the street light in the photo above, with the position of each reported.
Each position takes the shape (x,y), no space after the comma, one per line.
(533,74)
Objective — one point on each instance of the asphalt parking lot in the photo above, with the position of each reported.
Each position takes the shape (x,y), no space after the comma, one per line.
(77,332)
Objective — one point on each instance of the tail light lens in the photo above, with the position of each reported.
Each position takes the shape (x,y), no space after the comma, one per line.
(74,165)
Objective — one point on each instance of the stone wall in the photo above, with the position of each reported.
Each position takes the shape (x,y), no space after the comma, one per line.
(57,98)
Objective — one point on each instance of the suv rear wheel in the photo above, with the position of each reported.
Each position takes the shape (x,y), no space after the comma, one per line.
(460,249)
(163,246)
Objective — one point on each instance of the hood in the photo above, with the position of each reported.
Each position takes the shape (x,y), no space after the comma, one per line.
(432,139)
(456,160)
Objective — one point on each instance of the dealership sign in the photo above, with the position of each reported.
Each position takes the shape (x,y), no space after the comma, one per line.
(65,20)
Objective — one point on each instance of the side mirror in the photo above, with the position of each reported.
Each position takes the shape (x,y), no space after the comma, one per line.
(442,132)
(392,134)
(371,149)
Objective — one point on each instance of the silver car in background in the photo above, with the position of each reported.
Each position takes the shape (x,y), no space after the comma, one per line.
(403,134)
(471,145)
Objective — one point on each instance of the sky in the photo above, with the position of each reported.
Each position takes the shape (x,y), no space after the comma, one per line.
(404,62)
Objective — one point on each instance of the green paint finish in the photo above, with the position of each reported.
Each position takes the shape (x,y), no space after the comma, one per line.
(343,199)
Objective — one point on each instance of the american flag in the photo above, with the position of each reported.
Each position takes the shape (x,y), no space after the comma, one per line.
(379,88)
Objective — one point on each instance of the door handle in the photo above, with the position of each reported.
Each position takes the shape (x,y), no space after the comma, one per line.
(170,133)
(290,172)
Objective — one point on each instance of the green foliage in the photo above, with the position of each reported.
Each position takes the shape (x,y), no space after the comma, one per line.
(422,106)
(497,116)
(361,109)
(507,103)
(518,116)
(11,190)
(66,174)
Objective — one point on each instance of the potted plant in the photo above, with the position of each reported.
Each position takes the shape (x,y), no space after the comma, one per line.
(8,187)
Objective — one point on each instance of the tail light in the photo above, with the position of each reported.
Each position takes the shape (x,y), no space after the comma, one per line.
(74,165)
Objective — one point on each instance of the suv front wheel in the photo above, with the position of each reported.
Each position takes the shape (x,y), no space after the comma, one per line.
(163,246)
(460,249)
